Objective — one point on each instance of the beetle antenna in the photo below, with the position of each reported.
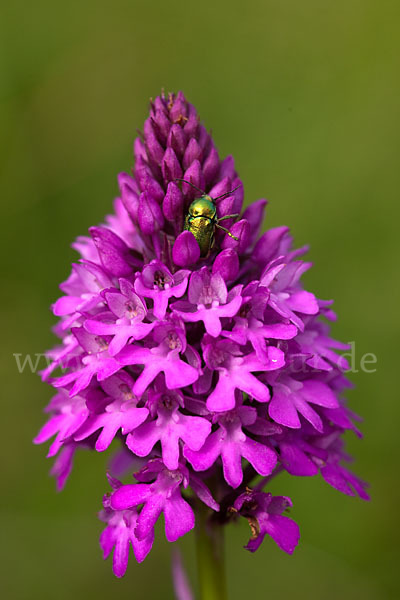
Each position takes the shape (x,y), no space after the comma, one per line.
(227,193)
(192,184)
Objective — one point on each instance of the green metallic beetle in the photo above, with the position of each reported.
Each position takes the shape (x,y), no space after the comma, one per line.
(201,219)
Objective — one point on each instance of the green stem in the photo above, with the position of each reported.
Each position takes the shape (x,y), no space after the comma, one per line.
(210,557)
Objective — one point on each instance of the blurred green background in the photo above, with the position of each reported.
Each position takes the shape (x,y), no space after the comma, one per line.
(305,95)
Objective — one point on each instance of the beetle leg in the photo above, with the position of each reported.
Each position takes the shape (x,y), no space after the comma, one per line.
(227,232)
(228,217)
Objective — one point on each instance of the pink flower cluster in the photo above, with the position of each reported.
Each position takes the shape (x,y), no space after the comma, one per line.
(212,374)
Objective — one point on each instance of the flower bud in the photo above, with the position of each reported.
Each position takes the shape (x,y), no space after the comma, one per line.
(146,181)
(170,166)
(192,152)
(227,264)
(177,140)
(211,166)
(129,194)
(193,174)
(268,244)
(241,230)
(150,216)
(113,252)
(228,167)
(255,216)
(161,125)
(179,108)
(154,149)
(186,250)
(173,203)
(192,124)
